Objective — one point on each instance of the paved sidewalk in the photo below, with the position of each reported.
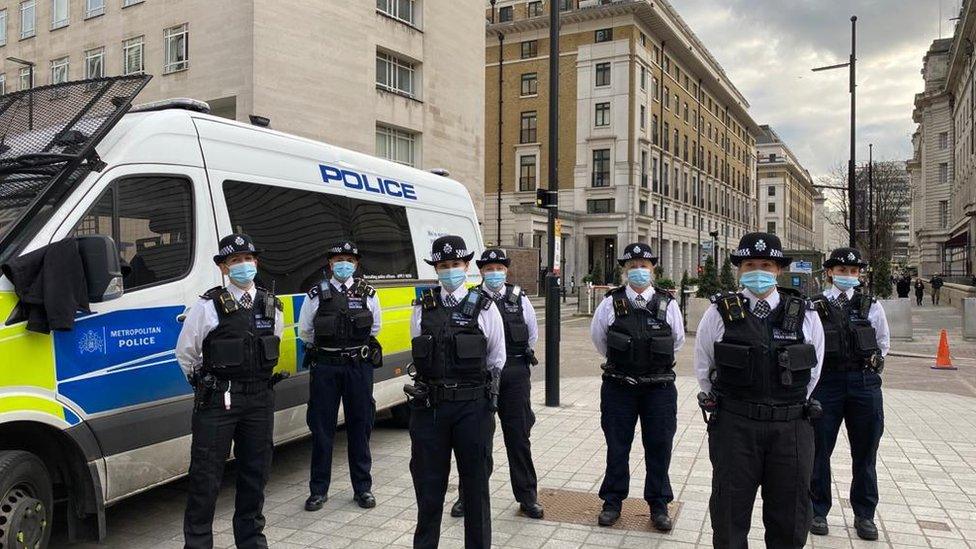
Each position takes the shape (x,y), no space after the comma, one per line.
(927,474)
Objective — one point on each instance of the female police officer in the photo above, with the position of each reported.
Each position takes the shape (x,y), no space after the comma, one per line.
(228,347)
(849,390)
(458,350)
(338,322)
(638,329)
(757,359)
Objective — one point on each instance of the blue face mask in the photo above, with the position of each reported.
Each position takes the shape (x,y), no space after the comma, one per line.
(845,283)
(758,282)
(242,273)
(639,277)
(452,278)
(495,279)
(342,270)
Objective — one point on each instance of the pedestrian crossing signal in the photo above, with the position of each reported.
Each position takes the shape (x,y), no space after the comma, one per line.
(546,199)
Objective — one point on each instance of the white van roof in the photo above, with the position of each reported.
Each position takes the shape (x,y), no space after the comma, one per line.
(176,136)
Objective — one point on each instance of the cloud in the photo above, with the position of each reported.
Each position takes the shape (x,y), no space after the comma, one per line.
(767,47)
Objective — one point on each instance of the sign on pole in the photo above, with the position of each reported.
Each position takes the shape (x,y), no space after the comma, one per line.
(800,266)
(557,258)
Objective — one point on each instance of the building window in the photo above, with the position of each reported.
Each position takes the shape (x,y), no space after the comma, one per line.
(397,145)
(176,48)
(59,70)
(667,138)
(127,3)
(530,84)
(771,191)
(603,74)
(132,56)
(527,127)
(643,169)
(654,89)
(59,14)
(3,84)
(642,207)
(505,14)
(535,8)
(654,177)
(28,14)
(643,77)
(686,113)
(771,207)
(25,78)
(565,5)
(530,48)
(3,27)
(603,35)
(654,130)
(944,173)
(643,39)
(943,213)
(771,227)
(601,168)
(667,98)
(397,9)
(95,63)
(944,140)
(395,74)
(600,206)
(602,117)
(527,172)
(643,117)
(94,8)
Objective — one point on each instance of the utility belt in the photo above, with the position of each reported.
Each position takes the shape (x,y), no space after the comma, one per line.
(612,374)
(427,395)
(206,387)
(763,412)
(340,356)
(873,364)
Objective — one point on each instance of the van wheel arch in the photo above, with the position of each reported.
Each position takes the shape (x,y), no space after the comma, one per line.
(74,481)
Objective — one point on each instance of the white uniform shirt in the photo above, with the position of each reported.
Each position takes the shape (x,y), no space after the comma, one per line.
(876,316)
(711,329)
(528,313)
(489,320)
(306,317)
(604,316)
(200,320)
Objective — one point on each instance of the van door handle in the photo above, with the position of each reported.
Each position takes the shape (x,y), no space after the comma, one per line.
(181,317)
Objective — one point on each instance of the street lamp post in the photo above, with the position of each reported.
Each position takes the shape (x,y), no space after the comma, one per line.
(30,86)
(871,238)
(714,235)
(552,278)
(851,65)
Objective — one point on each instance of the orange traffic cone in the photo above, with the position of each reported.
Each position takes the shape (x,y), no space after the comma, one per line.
(942,360)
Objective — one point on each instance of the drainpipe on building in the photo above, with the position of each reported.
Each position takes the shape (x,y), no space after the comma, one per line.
(501,59)
(660,184)
(698,163)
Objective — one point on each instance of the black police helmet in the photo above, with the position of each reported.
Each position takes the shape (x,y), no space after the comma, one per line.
(637,250)
(493,255)
(448,248)
(234,244)
(343,247)
(759,246)
(845,256)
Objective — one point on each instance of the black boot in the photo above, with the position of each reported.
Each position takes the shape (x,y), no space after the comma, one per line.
(457,510)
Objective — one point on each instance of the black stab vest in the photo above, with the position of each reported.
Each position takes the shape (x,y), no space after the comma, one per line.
(243,347)
(639,341)
(451,348)
(342,320)
(764,360)
(516,330)
(849,338)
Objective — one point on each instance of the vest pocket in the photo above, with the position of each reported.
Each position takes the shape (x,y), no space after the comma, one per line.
(325,325)
(362,320)
(226,353)
(832,344)
(269,347)
(865,340)
(422,351)
(796,362)
(732,364)
(518,333)
(662,352)
(470,351)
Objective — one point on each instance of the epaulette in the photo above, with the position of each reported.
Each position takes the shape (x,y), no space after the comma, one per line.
(361,289)
(222,298)
(313,291)
(427,300)
(621,306)
(663,293)
(611,290)
(866,301)
(820,304)
(729,305)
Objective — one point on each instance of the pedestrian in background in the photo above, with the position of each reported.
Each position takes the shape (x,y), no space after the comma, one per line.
(919,291)
(638,328)
(757,359)
(228,348)
(936,282)
(339,322)
(849,390)
(904,286)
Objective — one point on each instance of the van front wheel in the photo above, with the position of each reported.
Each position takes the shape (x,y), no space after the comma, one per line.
(26,501)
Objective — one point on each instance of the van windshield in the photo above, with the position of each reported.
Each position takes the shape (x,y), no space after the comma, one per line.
(47,145)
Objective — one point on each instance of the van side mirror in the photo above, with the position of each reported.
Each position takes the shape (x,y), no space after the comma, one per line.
(102,264)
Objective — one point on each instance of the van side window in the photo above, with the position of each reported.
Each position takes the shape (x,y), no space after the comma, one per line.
(293,228)
(151,220)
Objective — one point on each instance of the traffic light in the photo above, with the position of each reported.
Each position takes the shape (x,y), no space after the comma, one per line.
(546,199)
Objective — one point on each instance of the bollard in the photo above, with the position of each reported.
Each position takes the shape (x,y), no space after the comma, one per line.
(969,318)
(899,314)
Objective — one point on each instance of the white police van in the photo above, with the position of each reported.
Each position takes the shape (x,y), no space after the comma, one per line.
(101,411)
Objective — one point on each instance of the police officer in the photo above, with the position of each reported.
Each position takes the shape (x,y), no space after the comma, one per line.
(514,404)
(757,358)
(638,328)
(228,348)
(857,340)
(458,353)
(338,322)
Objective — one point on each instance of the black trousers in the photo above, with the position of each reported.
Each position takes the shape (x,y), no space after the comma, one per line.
(465,428)
(516,418)
(250,425)
(351,382)
(620,407)
(746,454)
(854,398)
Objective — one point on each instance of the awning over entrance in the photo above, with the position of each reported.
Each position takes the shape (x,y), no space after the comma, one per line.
(958,240)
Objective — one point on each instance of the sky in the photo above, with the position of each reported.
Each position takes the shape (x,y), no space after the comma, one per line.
(767,47)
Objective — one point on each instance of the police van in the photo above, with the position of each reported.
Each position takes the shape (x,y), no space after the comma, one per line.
(92,414)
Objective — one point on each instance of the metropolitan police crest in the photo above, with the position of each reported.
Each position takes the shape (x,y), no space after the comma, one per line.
(447,248)
(850,256)
(239,241)
(493,255)
(91,342)
(346,246)
(760,245)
